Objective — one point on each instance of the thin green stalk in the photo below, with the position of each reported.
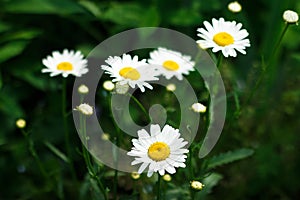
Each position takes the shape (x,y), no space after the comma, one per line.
(158,187)
(141,106)
(265,67)
(65,123)
(220,60)
(115,186)
(34,154)
(191,172)
(87,158)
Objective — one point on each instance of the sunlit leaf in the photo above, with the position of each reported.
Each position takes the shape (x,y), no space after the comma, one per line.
(11,50)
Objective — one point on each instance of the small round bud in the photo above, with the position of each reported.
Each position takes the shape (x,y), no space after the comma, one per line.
(167,177)
(171,87)
(105,136)
(235,7)
(108,85)
(21,123)
(83,89)
(196,185)
(135,175)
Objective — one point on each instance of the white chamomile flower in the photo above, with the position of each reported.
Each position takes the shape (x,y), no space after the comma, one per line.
(198,108)
(65,63)
(171,63)
(85,109)
(160,150)
(224,36)
(131,71)
(290,16)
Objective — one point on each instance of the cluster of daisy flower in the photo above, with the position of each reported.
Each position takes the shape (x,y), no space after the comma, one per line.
(162,150)
(127,70)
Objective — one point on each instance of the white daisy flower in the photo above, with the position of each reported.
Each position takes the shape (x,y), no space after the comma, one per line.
(85,109)
(290,16)
(65,63)
(171,63)
(224,36)
(198,108)
(131,71)
(161,150)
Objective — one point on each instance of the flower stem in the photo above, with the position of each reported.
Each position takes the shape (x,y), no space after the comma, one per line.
(115,153)
(265,67)
(87,158)
(66,131)
(158,187)
(34,154)
(220,60)
(141,106)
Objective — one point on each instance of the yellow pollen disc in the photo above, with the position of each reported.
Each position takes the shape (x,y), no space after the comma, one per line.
(130,73)
(223,39)
(170,65)
(65,66)
(159,151)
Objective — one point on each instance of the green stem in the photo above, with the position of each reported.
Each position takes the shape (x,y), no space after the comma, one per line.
(115,153)
(65,123)
(158,187)
(34,154)
(141,106)
(190,164)
(87,158)
(265,68)
(191,172)
(220,60)
(118,137)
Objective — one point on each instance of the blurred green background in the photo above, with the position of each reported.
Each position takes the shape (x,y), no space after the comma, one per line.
(270,123)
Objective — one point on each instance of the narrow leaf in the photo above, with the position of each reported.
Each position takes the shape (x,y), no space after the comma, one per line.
(228,157)
(57,152)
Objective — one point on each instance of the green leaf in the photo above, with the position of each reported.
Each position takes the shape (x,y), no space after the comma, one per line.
(150,18)
(9,105)
(11,50)
(57,152)
(179,18)
(43,7)
(92,7)
(209,182)
(21,35)
(228,157)
(32,79)
(4,27)
(124,14)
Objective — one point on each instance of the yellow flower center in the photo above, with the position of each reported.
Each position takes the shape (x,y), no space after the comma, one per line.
(159,151)
(130,73)
(170,65)
(65,66)
(223,39)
